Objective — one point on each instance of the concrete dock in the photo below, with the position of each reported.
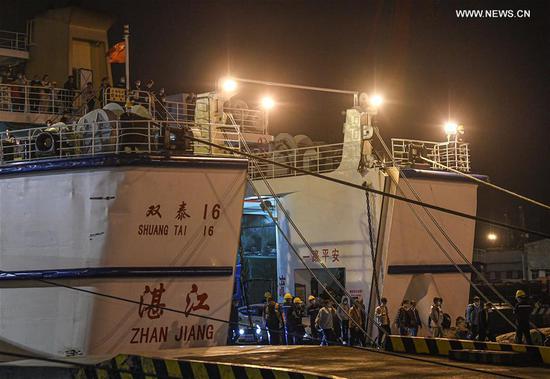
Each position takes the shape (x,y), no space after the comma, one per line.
(346,362)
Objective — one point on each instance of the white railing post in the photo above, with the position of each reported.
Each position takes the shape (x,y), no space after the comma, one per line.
(149,136)
(52,105)
(318,160)
(26,98)
(210,138)
(117,136)
(30,144)
(60,143)
(93,138)
(272,165)
(295,163)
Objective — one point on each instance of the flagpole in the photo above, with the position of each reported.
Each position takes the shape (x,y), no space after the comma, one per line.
(127,60)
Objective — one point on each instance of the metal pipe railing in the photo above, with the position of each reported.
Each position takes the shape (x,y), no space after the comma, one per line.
(108,137)
(39,99)
(13,40)
(453,154)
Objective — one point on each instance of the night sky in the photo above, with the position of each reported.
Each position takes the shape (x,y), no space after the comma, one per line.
(492,75)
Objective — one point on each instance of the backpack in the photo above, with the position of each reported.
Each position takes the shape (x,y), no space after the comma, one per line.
(446,323)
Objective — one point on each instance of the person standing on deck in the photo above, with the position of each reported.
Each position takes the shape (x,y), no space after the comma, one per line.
(325,322)
(312,312)
(287,323)
(487,323)
(473,312)
(436,318)
(415,321)
(382,317)
(273,321)
(357,323)
(522,311)
(343,315)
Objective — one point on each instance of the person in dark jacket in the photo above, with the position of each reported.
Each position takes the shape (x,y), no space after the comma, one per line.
(69,90)
(487,323)
(414,317)
(288,324)
(357,323)
(343,315)
(472,317)
(312,311)
(402,319)
(103,91)
(337,327)
(296,315)
(522,311)
(273,321)
(34,93)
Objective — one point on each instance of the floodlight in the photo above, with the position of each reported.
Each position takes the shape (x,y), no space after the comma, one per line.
(451,128)
(267,103)
(229,85)
(376,101)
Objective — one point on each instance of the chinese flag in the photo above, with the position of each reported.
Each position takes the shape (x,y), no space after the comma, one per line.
(117,53)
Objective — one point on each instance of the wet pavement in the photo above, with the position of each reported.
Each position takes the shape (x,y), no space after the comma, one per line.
(346,362)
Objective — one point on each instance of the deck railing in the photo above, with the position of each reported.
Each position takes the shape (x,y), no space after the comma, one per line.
(37,99)
(453,154)
(117,136)
(58,101)
(317,159)
(13,40)
(250,121)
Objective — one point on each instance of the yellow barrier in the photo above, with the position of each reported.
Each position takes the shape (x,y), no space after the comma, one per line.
(442,346)
(134,367)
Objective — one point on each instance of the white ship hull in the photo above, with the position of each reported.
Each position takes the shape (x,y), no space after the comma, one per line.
(116,231)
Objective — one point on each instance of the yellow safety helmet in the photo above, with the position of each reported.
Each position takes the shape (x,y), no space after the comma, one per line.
(297,300)
(267,294)
(311,297)
(520,293)
(288,296)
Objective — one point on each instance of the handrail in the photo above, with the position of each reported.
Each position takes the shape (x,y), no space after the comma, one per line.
(90,138)
(39,99)
(248,120)
(13,40)
(317,159)
(57,101)
(453,154)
